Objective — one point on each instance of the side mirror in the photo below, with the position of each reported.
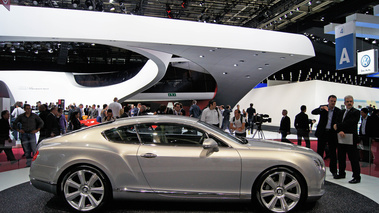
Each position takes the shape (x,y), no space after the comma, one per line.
(210,144)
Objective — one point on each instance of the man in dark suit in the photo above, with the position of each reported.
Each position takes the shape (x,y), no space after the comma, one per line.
(52,124)
(327,136)
(347,122)
(285,126)
(302,127)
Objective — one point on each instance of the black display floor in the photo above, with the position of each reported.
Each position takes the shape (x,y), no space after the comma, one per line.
(25,198)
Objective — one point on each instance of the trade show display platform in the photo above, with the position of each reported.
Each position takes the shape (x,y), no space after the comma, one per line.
(26,198)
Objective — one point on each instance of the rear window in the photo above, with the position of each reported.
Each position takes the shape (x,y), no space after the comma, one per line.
(124,134)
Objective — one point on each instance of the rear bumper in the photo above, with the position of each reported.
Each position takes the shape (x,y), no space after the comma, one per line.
(45,186)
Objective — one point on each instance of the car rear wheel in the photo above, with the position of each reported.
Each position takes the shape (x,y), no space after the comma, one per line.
(85,189)
(280,190)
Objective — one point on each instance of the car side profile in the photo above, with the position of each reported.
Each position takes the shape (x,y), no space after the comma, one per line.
(174,157)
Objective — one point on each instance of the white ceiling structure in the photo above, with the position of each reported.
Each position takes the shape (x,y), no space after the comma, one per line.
(238,58)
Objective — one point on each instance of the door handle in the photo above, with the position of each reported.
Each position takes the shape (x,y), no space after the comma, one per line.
(149,155)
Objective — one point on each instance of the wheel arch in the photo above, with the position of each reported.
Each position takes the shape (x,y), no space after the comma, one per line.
(256,181)
(69,168)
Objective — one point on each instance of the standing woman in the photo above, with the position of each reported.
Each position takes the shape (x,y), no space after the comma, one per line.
(4,135)
(75,122)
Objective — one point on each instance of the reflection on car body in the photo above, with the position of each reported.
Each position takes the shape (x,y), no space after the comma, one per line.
(171,157)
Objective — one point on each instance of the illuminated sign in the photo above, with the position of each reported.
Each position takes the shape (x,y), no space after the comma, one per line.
(345,46)
(368,62)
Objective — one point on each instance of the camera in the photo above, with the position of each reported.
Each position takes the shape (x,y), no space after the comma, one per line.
(262,118)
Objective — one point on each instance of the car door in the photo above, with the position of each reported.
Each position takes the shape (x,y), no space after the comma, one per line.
(175,163)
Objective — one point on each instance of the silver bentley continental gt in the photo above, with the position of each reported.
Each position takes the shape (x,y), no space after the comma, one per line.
(174,157)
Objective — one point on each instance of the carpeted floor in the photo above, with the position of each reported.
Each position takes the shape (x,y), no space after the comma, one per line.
(25,198)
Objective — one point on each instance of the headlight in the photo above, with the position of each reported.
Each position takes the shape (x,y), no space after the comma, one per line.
(319,164)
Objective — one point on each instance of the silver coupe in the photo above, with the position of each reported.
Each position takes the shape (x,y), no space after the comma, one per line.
(174,157)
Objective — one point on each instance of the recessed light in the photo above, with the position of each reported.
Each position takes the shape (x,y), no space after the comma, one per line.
(242,61)
(260,68)
(224,73)
(282,57)
(212,50)
(201,56)
(236,65)
(248,76)
(267,65)
(256,54)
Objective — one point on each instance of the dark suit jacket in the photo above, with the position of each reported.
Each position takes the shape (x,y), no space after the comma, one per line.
(320,131)
(372,126)
(52,125)
(285,124)
(350,123)
(302,121)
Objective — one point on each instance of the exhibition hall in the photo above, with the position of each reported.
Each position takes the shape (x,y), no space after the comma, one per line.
(189,106)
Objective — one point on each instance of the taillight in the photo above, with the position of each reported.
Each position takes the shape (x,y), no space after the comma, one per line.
(35,156)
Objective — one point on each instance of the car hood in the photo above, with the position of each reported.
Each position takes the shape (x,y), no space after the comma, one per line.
(268,144)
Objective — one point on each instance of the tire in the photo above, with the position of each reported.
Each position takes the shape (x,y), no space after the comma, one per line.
(85,189)
(279,190)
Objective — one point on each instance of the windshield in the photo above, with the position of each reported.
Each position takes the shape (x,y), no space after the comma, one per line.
(225,134)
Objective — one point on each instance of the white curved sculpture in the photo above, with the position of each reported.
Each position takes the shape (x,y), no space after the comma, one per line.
(238,58)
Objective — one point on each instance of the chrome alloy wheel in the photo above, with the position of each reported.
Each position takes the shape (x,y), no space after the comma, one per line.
(280,191)
(84,190)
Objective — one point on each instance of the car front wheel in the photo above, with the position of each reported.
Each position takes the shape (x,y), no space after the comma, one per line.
(280,190)
(85,189)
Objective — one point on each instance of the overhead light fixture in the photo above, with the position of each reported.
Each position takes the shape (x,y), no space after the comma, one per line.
(99,6)
(122,7)
(374,41)
(224,73)
(247,76)
(13,50)
(75,3)
(201,56)
(168,11)
(236,65)
(89,4)
(112,7)
(260,68)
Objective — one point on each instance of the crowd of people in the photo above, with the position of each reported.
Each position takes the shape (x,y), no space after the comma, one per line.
(336,130)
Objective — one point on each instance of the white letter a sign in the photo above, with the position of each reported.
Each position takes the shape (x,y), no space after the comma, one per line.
(344,56)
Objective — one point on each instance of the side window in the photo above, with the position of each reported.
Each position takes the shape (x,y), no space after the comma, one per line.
(124,134)
(170,134)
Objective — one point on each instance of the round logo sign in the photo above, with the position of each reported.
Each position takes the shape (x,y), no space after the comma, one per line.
(365,61)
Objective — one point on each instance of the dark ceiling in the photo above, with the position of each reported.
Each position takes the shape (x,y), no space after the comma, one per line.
(295,16)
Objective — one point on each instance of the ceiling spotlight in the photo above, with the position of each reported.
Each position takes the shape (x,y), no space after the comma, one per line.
(247,76)
(366,39)
(282,58)
(13,50)
(89,4)
(260,68)
(309,3)
(122,7)
(201,56)
(242,61)
(224,73)
(36,52)
(99,5)
(111,7)
(236,65)
(50,50)
(75,3)
(374,41)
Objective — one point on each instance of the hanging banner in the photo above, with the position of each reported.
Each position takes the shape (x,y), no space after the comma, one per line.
(368,62)
(6,3)
(345,46)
